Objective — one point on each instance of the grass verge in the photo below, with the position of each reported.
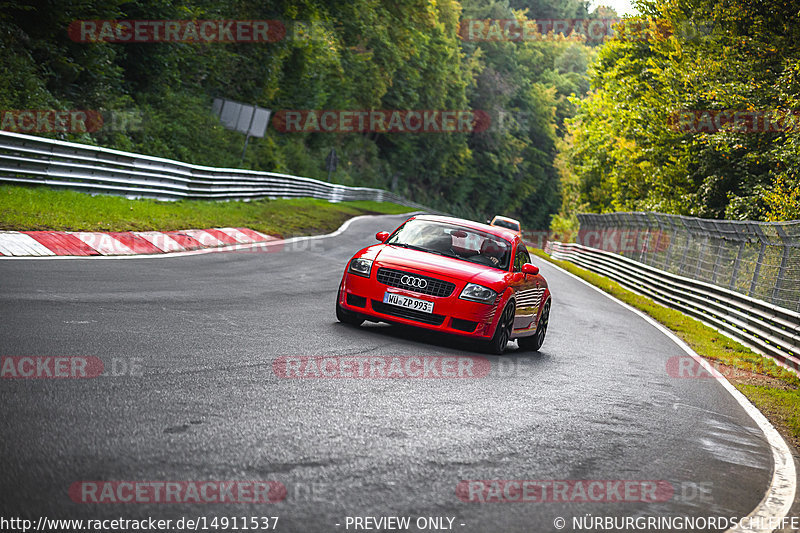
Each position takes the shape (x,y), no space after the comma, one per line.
(39,208)
(774,390)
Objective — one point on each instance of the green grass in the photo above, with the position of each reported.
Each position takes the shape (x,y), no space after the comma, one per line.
(39,208)
(771,388)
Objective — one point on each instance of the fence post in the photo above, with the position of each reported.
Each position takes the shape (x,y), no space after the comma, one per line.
(760,260)
(784,263)
(736,264)
(700,255)
(672,232)
(688,235)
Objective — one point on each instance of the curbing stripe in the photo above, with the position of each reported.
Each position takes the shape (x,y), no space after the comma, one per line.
(104,243)
(203,237)
(186,241)
(222,236)
(256,236)
(237,235)
(778,500)
(62,243)
(137,244)
(162,241)
(20,244)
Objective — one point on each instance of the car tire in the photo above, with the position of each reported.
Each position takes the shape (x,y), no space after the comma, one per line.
(502,334)
(535,341)
(345,316)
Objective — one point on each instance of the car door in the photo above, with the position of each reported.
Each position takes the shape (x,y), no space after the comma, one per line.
(528,293)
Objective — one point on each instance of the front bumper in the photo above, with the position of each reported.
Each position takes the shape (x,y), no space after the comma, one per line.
(450,314)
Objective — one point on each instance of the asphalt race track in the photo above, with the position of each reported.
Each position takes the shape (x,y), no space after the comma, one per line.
(189,393)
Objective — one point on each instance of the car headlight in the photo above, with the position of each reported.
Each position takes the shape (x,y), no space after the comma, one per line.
(360,267)
(478,293)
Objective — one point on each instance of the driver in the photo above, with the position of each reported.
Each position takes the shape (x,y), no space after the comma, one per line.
(493,251)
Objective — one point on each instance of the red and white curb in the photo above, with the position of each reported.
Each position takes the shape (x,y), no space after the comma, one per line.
(128,243)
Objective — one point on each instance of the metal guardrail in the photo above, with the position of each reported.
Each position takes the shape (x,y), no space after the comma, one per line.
(30,160)
(768,328)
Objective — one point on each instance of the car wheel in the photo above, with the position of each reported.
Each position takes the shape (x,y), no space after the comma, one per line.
(503,332)
(535,341)
(345,316)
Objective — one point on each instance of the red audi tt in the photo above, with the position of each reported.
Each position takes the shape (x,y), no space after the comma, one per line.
(449,275)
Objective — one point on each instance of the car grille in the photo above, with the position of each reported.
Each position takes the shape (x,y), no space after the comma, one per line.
(435,287)
(410,314)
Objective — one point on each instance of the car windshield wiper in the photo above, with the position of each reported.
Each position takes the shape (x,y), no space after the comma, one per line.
(421,249)
(411,246)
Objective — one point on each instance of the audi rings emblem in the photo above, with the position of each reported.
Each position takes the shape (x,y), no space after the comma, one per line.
(414,282)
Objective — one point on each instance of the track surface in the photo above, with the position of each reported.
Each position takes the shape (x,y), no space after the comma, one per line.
(595,403)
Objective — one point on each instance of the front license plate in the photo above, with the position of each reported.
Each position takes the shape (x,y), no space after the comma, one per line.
(409,303)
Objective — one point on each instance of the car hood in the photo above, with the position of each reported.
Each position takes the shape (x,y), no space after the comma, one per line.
(438,265)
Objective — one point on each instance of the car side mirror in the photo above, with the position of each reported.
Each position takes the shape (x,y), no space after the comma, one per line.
(528,268)
(382,235)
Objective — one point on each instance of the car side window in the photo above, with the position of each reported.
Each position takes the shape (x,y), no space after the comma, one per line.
(521,258)
(526,257)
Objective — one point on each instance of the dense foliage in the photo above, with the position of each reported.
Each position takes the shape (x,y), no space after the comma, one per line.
(627,149)
(337,54)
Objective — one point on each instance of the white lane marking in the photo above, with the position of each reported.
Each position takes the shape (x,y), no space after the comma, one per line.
(777,502)
(229,248)
(13,243)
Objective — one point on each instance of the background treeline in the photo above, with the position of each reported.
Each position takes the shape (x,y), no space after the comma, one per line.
(621,153)
(345,54)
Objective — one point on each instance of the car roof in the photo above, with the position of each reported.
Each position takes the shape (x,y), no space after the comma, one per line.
(506,234)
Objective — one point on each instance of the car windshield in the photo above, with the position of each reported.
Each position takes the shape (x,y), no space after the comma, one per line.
(454,241)
(506,224)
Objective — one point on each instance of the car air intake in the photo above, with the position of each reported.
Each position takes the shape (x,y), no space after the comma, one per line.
(415,282)
(356,301)
(463,325)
